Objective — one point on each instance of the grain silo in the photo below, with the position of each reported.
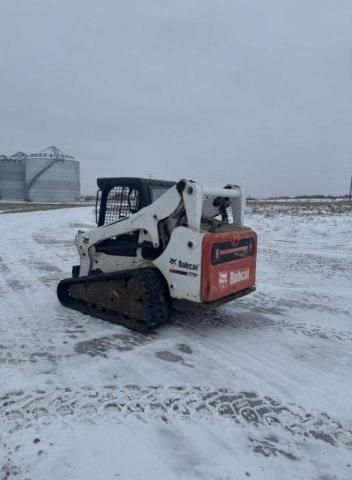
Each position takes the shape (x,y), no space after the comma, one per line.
(52,176)
(12,176)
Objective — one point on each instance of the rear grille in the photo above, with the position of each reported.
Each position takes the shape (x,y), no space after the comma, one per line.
(229,251)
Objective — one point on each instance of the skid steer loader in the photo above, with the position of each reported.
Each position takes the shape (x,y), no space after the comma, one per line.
(160,246)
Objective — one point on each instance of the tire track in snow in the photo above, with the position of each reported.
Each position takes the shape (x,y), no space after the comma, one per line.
(255,321)
(3,267)
(164,403)
(9,281)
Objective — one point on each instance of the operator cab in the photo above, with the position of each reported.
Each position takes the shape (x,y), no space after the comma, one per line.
(119,198)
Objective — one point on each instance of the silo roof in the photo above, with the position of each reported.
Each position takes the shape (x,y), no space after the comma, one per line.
(52,152)
(19,155)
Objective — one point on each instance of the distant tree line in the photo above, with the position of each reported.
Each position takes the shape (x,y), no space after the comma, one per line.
(300,197)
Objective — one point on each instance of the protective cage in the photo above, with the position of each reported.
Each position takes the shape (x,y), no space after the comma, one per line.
(122,201)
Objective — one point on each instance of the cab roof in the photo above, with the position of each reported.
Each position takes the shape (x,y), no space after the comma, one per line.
(133,181)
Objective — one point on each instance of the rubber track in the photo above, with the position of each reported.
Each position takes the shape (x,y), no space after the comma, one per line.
(155,297)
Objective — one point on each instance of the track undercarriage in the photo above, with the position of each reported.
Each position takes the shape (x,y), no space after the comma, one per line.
(135,298)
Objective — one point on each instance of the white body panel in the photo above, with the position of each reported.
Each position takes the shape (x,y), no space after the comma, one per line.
(181,264)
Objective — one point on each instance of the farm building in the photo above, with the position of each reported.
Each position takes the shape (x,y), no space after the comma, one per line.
(47,176)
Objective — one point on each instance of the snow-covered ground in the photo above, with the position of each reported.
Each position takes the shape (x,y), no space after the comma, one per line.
(260,388)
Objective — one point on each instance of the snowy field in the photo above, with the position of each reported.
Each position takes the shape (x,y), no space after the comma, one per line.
(258,389)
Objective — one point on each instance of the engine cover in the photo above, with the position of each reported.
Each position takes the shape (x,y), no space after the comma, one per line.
(228,263)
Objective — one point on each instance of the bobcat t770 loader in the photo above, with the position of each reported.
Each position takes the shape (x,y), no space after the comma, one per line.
(160,246)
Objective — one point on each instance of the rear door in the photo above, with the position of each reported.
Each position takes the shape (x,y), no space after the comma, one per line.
(228,263)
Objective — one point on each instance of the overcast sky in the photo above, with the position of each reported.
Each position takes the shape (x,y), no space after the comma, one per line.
(254,92)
